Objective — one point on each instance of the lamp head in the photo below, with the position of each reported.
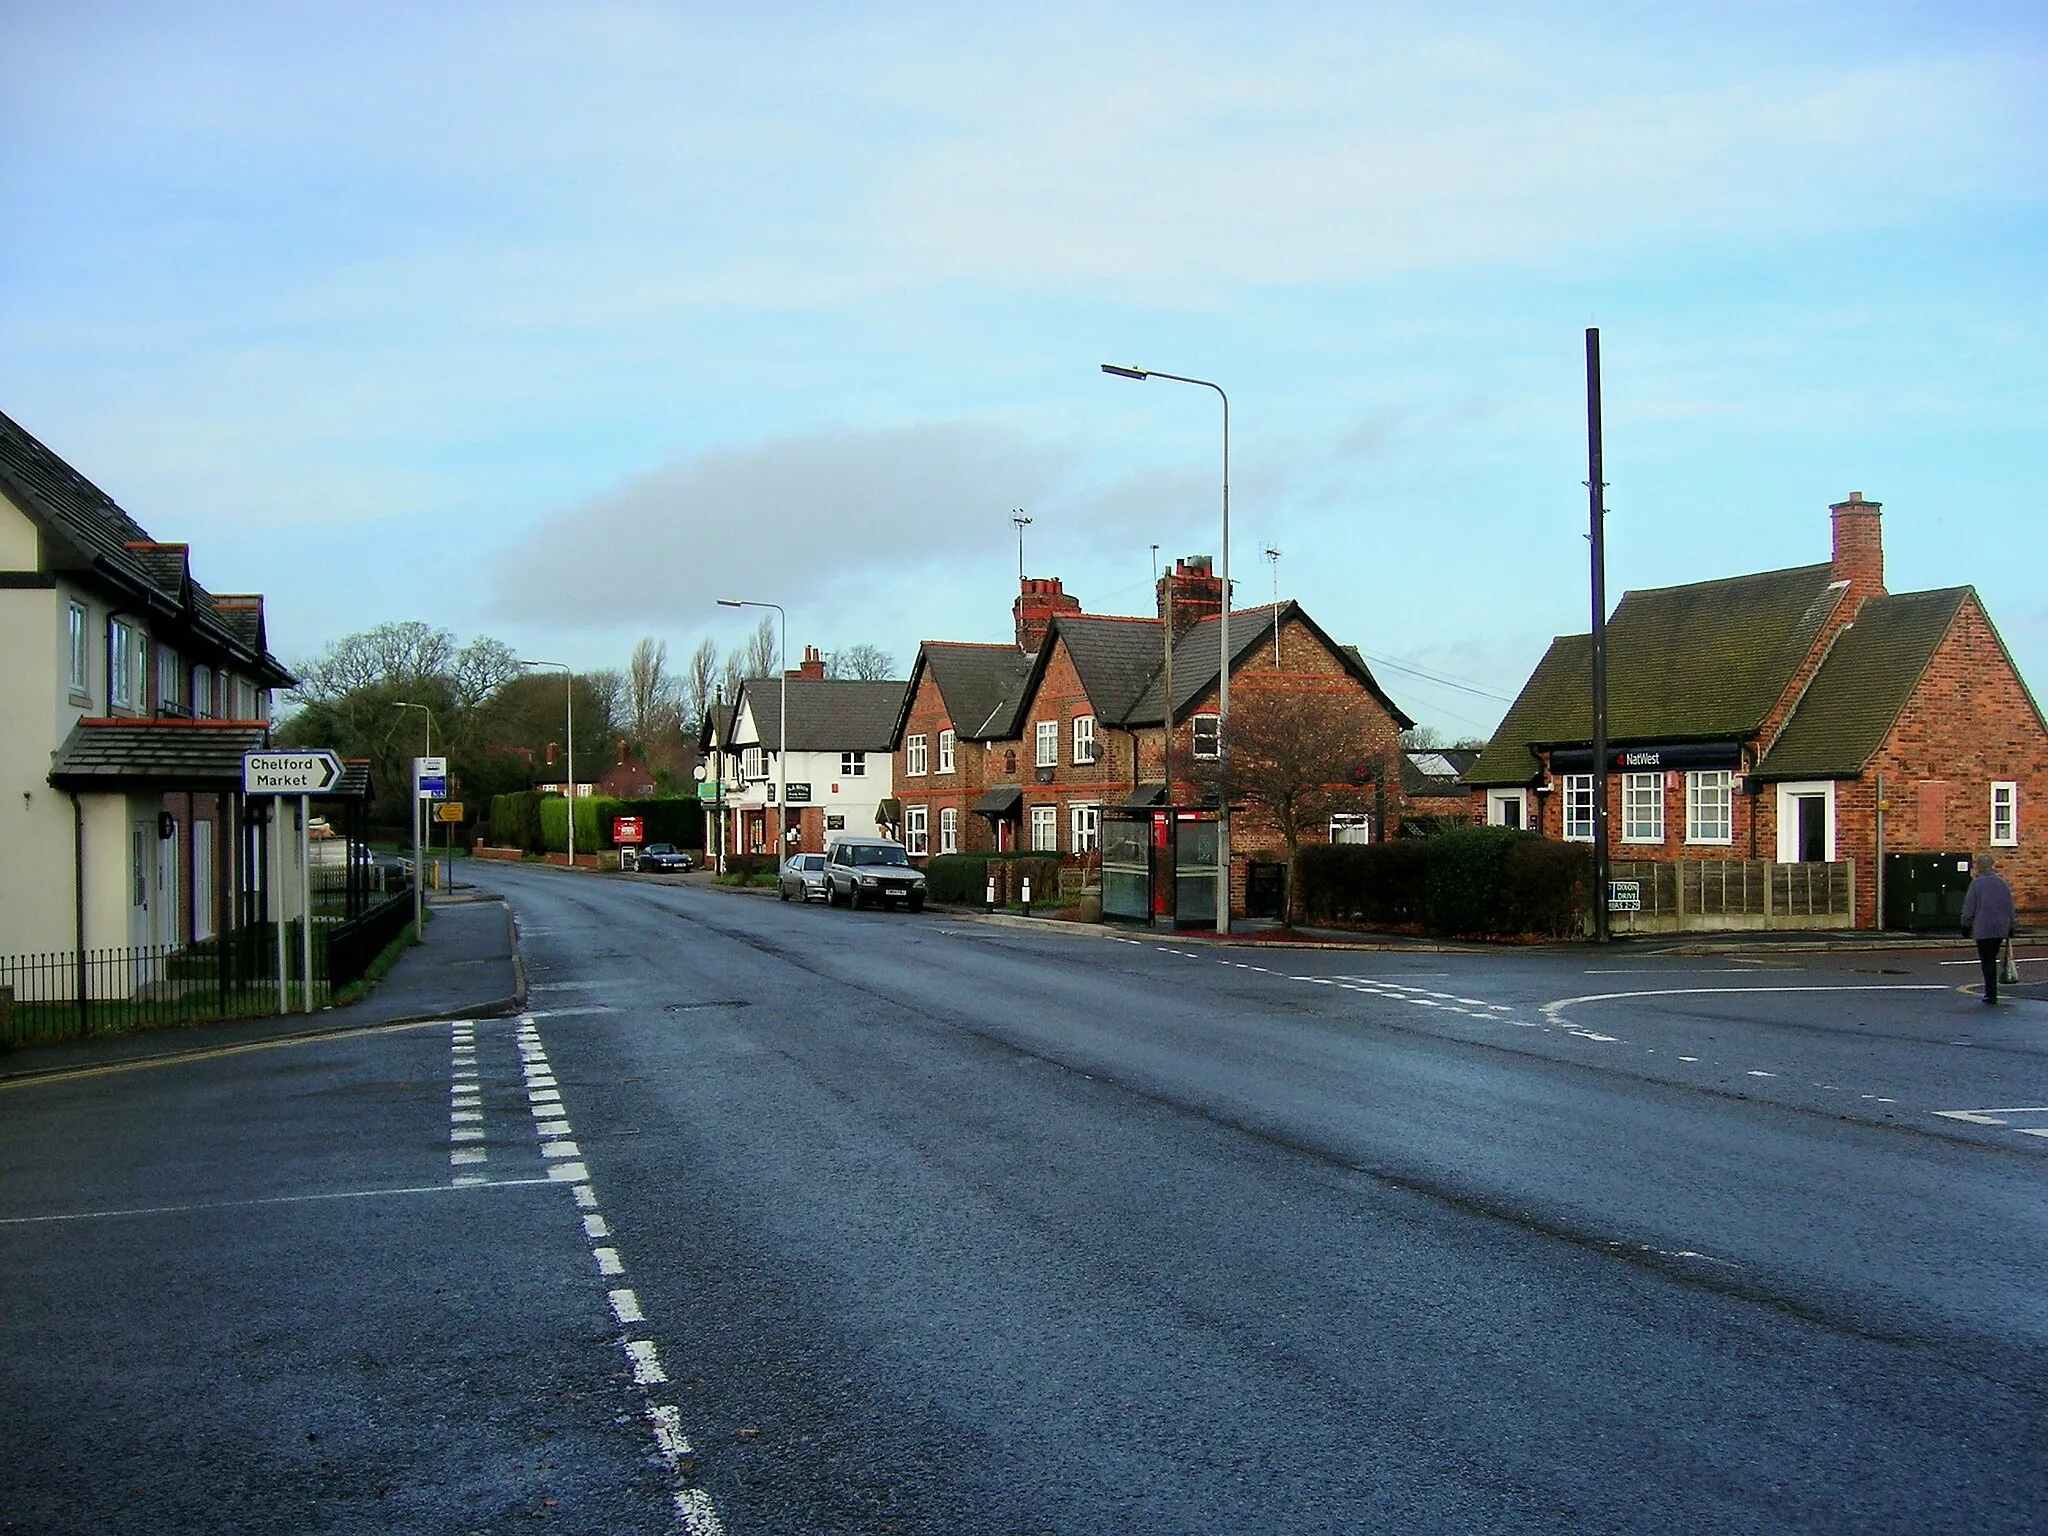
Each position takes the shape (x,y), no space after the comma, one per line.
(730,602)
(1125,373)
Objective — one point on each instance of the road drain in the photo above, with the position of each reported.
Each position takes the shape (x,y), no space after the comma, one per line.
(731,1002)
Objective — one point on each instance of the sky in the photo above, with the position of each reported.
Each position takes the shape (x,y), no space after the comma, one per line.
(558,322)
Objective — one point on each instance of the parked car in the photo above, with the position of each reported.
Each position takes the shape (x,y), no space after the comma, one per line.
(665,859)
(859,870)
(803,876)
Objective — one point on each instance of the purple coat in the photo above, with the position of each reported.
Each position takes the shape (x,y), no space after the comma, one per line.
(1987,910)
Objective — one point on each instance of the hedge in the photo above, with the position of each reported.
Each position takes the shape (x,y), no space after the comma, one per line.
(1477,881)
(962,878)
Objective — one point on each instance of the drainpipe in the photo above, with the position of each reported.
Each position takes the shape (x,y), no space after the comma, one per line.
(78,903)
(1877,915)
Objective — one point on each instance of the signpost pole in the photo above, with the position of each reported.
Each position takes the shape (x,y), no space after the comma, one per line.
(273,832)
(419,873)
(306,902)
(1597,515)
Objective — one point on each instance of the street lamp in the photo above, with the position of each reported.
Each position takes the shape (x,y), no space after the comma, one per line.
(569,680)
(782,731)
(1223,673)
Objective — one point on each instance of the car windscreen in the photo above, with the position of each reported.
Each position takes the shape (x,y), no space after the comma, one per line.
(863,855)
(812,861)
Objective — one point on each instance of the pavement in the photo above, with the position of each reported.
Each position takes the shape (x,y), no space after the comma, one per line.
(466,967)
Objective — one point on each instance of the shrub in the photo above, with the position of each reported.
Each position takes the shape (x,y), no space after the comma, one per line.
(956,877)
(1497,880)
(515,820)
(1382,883)
(1546,887)
(748,868)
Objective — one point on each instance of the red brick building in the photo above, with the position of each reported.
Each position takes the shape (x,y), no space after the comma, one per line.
(1785,744)
(1025,746)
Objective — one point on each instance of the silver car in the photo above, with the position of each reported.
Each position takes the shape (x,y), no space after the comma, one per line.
(803,876)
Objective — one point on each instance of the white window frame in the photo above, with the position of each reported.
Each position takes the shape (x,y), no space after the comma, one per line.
(914,755)
(168,695)
(1497,802)
(1046,744)
(753,764)
(853,765)
(916,829)
(2005,807)
(1788,818)
(202,693)
(120,664)
(1578,807)
(1084,738)
(80,622)
(949,829)
(1045,828)
(1698,782)
(1351,827)
(1084,826)
(202,880)
(945,752)
(1642,792)
(1210,726)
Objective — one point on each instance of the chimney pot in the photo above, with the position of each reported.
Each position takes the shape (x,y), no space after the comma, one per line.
(1859,547)
(1040,599)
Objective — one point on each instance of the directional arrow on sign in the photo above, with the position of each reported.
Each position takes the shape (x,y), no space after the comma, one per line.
(290,773)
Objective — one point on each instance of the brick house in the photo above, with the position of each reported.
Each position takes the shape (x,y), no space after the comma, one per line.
(1027,746)
(129,696)
(1787,741)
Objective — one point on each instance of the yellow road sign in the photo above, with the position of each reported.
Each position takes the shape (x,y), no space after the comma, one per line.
(448,810)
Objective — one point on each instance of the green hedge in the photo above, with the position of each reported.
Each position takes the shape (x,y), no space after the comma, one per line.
(742,868)
(1483,882)
(515,821)
(962,878)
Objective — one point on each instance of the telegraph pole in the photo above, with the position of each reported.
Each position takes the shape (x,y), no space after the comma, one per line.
(1596,501)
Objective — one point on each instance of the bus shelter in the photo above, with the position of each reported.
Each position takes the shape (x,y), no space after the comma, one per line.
(1159,864)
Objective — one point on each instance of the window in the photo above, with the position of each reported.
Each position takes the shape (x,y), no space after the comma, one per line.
(853,765)
(120,663)
(2005,815)
(1084,738)
(1709,807)
(945,751)
(202,880)
(949,830)
(1350,827)
(1045,829)
(1048,743)
(1086,822)
(913,752)
(914,829)
(81,654)
(753,763)
(202,693)
(1208,737)
(1506,808)
(170,697)
(1578,807)
(1642,807)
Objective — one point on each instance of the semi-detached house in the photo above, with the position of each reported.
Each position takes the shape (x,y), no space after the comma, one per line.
(129,694)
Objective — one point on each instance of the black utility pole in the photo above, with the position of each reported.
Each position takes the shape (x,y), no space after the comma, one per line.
(1597,513)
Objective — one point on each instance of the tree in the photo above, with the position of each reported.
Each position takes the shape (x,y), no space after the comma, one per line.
(1299,755)
(653,698)
(868,663)
(698,683)
(761,650)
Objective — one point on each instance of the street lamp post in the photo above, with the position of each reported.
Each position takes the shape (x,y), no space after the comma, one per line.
(782,731)
(569,681)
(1223,671)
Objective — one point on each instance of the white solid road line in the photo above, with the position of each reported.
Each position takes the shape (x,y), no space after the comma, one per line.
(237,1205)
(1552,1010)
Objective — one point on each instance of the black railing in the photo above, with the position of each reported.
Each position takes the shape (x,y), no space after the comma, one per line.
(353,945)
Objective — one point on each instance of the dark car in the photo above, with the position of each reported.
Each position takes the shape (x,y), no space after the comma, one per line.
(665,859)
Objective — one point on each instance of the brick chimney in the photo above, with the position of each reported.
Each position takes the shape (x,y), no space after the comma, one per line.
(1197,592)
(814,663)
(1859,547)
(553,748)
(1041,600)
(622,751)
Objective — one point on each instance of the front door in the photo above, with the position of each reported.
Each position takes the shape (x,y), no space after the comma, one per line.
(1813,829)
(141,856)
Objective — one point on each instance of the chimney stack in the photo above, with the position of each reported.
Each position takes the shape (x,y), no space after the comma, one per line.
(1040,600)
(1197,592)
(814,663)
(1859,547)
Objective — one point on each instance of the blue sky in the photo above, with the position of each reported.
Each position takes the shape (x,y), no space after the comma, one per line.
(557,322)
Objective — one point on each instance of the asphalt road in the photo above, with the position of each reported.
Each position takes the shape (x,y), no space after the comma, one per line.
(791,1220)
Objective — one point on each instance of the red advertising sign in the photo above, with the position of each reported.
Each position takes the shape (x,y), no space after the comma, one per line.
(626,829)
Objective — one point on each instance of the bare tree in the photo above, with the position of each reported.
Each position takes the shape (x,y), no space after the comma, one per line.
(761,649)
(698,683)
(1423,738)
(653,697)
(1300,755)
(869,663)
(602,698)
(731,675)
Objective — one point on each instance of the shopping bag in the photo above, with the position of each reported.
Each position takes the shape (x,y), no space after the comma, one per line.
(2008,970)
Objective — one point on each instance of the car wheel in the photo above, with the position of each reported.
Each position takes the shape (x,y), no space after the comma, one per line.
(854,899)
(783,892)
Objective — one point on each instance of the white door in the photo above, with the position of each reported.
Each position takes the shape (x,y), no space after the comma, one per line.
(202,880)
(167,890)
(141,858)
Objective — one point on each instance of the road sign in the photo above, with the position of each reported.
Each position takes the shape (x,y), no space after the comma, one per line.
(430,774)
(626,829)
(708,791)
(448,810)
(1624,895)
(289,773)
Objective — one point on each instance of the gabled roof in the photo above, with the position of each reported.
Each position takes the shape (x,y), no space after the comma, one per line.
(1869,674)
(1116,659)
(1435,770)
(983,686)
(1198,656)
(104,754)
(1704,661)
(85,532)
(716,729)
(825,714)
